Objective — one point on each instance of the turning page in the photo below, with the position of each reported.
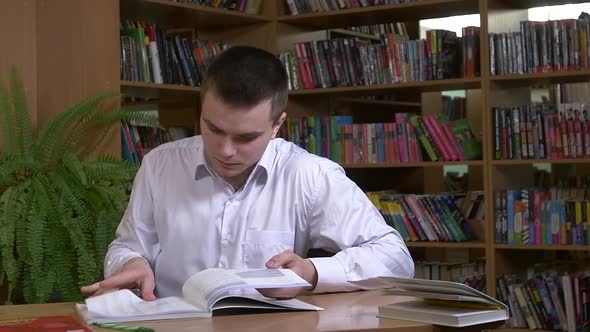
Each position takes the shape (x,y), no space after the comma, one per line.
(208,286)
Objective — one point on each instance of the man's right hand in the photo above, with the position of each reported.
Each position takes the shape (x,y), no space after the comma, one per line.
(136,273)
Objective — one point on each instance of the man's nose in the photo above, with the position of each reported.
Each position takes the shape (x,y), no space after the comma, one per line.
(228,148)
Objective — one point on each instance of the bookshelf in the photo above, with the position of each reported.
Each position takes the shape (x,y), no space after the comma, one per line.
(273,29)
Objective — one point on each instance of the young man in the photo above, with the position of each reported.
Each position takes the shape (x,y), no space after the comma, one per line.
(236,197)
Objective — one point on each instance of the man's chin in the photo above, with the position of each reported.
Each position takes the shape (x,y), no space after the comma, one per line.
(228,173)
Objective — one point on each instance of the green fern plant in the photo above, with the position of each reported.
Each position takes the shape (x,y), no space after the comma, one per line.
(59,207)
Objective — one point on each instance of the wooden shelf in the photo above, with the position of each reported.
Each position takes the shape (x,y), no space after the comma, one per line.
(541,78)
(467,244)
(380,102)
(423,86)
(166,12)
(541,161)
(416,164)
(524,4)
(152,89)
(381,14)
(541,247)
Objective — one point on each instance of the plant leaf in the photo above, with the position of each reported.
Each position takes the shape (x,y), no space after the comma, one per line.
(7,122)
(55,131)
(23,129)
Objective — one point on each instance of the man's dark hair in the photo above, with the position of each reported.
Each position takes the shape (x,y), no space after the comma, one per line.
(244,76)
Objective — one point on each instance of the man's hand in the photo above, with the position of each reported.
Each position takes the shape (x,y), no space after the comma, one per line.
(289,260)
(136,273)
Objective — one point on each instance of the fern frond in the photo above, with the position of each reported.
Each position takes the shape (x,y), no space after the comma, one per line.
(10,211)
(37,237)
(7,123)
(112,170)
(96,119)
(54,133)
(63,258)
(24,130)
(74,198)
(116,196)
(21,241)
(60,254)
(73,165)
(107,120)
(101,236)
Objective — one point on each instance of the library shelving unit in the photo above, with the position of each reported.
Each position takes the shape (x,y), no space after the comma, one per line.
(421,97)
(515,90)
(275,30)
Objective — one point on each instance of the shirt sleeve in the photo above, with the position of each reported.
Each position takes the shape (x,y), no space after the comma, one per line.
(136,234)
(344,220)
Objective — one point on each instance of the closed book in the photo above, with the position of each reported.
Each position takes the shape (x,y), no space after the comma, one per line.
(437,302)
(421,311)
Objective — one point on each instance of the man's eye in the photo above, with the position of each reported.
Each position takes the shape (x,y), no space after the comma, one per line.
(246,139)
(215,130)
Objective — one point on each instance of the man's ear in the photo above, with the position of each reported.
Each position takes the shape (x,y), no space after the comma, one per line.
(278,124)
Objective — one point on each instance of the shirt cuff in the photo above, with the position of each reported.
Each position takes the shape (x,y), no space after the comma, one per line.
(113,267)
(331,275)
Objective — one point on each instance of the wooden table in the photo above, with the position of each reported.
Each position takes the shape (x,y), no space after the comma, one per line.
(354,311)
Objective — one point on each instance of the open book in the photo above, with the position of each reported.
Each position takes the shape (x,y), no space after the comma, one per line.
(204,292)
(438,302)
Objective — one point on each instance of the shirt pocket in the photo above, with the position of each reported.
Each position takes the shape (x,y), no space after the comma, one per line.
(260,246)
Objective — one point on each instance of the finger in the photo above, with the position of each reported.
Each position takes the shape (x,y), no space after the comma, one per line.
(102,291)
(90,289)
(280,293)
(147,288)
(123,279)
(283,259)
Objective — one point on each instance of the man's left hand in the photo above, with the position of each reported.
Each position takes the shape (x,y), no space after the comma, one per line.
(289,260)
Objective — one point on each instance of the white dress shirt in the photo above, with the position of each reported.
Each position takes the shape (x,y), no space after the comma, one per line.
(183,218)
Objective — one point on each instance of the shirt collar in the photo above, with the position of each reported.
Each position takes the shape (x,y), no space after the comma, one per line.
(202,168)
(264,164)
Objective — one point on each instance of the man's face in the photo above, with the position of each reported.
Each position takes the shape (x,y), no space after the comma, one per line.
(235,139)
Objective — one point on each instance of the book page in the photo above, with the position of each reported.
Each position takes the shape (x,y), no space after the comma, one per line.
(204,288)
(259,301)
(426,286)
(123,303)
(436,295)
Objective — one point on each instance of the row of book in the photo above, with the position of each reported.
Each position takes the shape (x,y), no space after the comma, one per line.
(398,28)
(297,7)
(434,218)
(355,62)
(454,108)
(244,6)
(550,301)
(411,138)
(540,131)
(542,217)
(170,59)
(471,204)
(137,141)
(471,273)
(560,45)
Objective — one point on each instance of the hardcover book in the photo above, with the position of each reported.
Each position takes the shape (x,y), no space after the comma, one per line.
(437,302)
